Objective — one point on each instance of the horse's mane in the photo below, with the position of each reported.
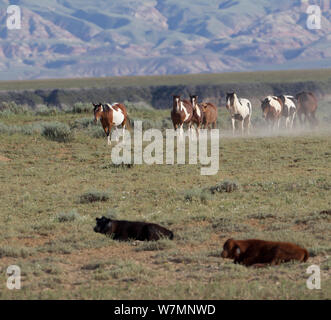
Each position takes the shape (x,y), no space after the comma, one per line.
(106,107)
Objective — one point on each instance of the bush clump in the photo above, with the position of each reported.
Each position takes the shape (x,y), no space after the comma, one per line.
(57,131)
(81,107)
(68,216)
(7,108)
(201,195)
(225,186)
(93,196)
(43,110)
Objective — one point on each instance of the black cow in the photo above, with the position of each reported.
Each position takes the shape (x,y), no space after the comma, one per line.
(125,230)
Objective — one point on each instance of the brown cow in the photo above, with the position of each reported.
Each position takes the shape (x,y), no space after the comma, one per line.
(125,230)
(260,253)
(307,105)
(210,115)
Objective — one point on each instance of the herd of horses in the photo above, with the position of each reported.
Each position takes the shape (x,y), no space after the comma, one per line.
(204,115)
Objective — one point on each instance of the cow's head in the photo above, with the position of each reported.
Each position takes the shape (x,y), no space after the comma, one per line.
(103,225)
(231,249)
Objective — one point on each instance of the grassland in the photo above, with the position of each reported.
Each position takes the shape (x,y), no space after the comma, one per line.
(285,76)
(45,228)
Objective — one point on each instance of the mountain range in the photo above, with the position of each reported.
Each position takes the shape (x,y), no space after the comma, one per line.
(77,38)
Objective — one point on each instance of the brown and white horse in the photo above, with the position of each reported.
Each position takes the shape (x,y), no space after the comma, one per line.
(272,107)
(182,112)
(198,115)
(111,115)
(307,105)
(210,115)
(240,110)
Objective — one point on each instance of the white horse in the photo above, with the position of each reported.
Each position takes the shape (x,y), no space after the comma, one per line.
(240,110)
(289,110)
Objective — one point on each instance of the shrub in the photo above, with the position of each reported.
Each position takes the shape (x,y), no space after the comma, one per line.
(197,194)
(93,196)
(7,108)
(97,132)
(81,107)
(68,216)
(225,186)
(83,123)
(137,106)
(43,110)
(57,131)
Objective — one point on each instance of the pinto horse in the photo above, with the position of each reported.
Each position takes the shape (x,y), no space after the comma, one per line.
(111,115)
(272,107)
(289,110)
(307,105)
(198,115)
(210,115)
(182,112)
(240,110)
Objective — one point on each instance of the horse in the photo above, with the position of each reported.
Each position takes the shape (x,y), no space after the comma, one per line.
(182,112)
(307,105)
(272,107)
(240,110)
(109,115)
(198,115)
(210,115)
(289,110)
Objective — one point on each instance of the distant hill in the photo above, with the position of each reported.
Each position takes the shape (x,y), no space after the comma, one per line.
(79,38)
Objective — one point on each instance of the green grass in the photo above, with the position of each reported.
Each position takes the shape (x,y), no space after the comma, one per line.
(284,184)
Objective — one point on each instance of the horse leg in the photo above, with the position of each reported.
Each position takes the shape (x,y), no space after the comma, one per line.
(292,121)
(198,130)
(123,131)
(242,127)
(314,119)
(300,119)
(181,130)
(116,134)
(108,135)
(233,125)
(248,124)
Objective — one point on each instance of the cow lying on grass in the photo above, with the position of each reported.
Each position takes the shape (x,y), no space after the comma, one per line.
(125,230)
(260,253)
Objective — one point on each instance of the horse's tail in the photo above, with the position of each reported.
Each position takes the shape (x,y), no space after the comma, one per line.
(128,123)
